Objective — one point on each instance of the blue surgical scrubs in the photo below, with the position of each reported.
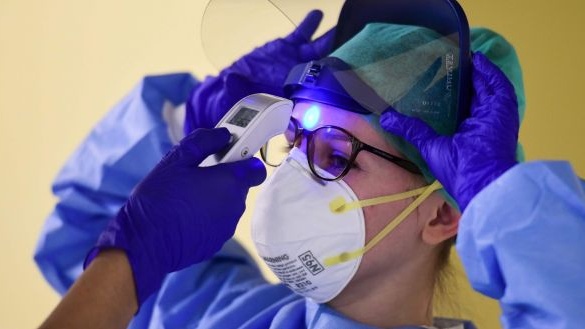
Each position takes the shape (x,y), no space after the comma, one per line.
(229,290)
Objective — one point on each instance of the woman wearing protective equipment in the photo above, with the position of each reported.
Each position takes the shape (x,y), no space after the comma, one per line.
(227,291)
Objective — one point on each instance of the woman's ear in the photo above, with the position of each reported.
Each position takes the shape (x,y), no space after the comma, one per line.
(442,226)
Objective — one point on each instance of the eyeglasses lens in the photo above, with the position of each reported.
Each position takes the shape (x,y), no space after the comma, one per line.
(329,149)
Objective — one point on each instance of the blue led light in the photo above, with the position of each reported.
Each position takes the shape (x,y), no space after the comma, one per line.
(311,117)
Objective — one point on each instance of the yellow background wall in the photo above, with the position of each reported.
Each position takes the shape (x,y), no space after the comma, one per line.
(63,63)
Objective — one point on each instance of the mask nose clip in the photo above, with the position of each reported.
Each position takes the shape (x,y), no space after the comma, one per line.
(317,180)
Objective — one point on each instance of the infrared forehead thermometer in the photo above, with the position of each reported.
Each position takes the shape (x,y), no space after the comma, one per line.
(252,122)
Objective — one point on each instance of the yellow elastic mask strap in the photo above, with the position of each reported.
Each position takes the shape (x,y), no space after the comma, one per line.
(338,205)
(423,193)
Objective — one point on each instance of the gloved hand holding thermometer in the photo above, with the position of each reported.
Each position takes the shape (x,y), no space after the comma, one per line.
(181,213)
(484,146)
(252,122)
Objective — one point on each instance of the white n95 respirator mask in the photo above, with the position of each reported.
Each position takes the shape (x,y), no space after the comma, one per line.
(311,233)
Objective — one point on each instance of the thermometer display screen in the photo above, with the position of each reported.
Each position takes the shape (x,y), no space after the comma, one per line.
(243,117)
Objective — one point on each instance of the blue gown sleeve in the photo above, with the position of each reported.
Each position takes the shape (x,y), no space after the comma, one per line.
(97,179)
(522,241)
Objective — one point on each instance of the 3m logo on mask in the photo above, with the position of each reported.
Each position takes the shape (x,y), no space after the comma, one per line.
(311,263)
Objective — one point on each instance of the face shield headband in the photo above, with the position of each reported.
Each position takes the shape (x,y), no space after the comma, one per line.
(335,82)
(328,81)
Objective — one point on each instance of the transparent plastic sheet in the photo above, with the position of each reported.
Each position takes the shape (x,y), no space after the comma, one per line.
(232,28)
(424,57)
(421,72)
(421,78)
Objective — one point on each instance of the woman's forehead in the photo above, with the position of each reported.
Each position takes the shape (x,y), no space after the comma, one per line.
(312,115)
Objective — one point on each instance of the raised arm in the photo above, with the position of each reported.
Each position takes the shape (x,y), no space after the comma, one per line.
(179,215)
(98,178)
(103,297)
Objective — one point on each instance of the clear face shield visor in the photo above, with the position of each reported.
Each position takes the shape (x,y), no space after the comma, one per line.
(412,56)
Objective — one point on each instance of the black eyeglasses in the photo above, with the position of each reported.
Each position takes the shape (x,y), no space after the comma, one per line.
(329,148)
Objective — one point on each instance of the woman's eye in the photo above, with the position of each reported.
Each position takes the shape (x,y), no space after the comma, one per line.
(338,161)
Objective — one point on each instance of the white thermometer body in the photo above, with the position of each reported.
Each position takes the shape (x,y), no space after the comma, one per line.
(252,122)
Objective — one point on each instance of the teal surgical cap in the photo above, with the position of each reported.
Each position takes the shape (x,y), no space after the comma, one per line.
(367,54)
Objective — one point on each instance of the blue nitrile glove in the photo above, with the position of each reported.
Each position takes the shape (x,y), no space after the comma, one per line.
(181,214)
(483,147)
(263,70)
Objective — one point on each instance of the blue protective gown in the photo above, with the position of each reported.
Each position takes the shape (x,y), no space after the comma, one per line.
(522,241)
(229,290)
